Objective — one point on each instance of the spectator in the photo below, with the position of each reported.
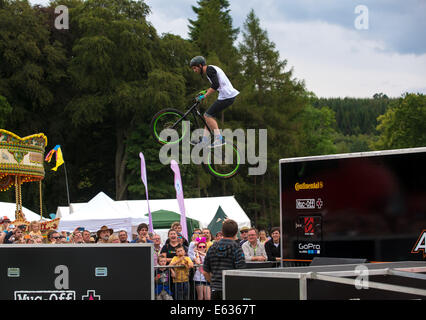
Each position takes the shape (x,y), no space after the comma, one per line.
(15,235)
(169,249)
(3,235)
(64,237)
(263,237)
(103,234)
(113,239)
(209,237)
(37,239)
(273,247)
(201,285)
(122,235)
(4,222)
(77,237)
(142,231)
(176,226)
(182,241)
(253,249)
(34,228)
(53,237)
(28,239)
(157,247)
(181,279)
(219,235)
(162,280)
(243,235)
(87,237)
(196,234)
(223,255)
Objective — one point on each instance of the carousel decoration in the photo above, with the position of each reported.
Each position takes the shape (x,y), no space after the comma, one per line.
(21,160)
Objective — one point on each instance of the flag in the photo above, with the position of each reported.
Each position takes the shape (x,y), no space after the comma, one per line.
(145,182)
(179,197)
(59,159)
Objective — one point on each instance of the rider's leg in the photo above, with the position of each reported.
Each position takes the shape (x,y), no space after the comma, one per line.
(212,123)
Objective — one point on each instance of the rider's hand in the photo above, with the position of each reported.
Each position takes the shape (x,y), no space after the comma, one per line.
(200,97)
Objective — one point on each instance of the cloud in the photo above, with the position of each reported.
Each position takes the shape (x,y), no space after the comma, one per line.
(335,61)
(319,39)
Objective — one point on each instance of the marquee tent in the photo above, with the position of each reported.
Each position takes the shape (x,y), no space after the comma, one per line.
(163,219)
(8,209)
(128,214)
(200,209)
(100,211)
(216,224)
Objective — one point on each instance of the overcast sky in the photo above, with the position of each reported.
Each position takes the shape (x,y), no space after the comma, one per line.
(338,47)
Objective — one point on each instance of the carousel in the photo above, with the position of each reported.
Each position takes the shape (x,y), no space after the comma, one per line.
(22,161)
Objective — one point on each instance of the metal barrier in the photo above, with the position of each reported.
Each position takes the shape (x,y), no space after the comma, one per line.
(166,288)
(196,288)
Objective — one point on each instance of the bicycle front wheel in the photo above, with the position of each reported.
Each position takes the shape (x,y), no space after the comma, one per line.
(168,126)
(223,162)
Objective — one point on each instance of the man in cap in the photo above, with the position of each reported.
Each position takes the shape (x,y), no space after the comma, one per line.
(243,235)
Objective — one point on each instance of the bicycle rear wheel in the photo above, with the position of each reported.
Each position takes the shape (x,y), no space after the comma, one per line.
(168,126)
(223,162)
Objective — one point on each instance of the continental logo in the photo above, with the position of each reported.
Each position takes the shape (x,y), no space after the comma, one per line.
(308,186)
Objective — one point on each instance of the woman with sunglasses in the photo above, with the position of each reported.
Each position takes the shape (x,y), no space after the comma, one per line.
(201,285)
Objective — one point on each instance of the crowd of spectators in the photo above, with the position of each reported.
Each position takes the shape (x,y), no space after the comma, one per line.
(178,262)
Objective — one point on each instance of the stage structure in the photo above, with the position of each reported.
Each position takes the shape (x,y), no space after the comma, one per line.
(21,160)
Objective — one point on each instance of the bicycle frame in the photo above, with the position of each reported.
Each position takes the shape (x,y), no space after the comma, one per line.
(196,113)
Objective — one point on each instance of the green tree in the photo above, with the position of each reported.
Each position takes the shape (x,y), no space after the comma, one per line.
(30,66)
(116,75)
(5,110)
(318,133)
(404,123)
(212,31)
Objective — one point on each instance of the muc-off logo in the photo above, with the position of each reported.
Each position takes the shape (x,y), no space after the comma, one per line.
(305,203)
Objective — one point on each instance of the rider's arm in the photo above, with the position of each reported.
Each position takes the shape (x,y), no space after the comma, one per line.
(209,92)
(212,75)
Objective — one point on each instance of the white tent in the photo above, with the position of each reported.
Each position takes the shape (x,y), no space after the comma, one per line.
(62,212)
(201,209)
(99,211)
(128,214)
(8,209)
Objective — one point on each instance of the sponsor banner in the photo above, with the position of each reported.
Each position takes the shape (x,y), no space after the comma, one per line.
(308,186)
(309,248)
(309,204)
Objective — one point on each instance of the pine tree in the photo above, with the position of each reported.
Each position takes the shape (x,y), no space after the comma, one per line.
(212,31)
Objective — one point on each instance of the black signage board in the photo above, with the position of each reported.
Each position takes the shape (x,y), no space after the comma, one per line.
(76,272)
(368,205)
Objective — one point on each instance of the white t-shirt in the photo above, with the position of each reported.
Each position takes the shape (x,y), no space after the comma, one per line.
(221,83)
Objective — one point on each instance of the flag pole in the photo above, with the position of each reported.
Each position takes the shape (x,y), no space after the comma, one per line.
(66,183)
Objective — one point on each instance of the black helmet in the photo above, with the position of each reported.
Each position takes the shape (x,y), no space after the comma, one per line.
(196,61)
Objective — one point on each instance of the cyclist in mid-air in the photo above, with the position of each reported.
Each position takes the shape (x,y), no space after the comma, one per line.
(227,94)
